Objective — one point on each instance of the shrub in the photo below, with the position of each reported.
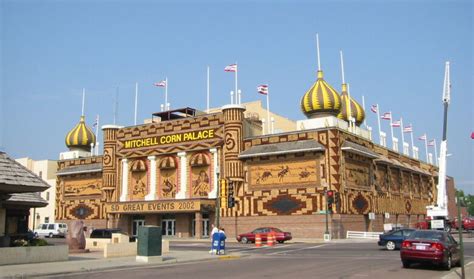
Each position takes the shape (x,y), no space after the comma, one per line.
(38,242)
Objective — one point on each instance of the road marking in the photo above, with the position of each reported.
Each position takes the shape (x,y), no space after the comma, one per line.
(305,248)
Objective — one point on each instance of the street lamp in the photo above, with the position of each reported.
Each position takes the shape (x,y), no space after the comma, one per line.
(218,201)
(460,235)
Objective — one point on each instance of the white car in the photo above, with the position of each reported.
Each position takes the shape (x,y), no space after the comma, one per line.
(51,230)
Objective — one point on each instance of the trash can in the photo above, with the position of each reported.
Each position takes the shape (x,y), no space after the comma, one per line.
(218,243)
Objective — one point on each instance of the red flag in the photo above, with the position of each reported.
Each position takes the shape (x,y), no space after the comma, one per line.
(231,68)
(396,123)
(160,84)
(263,89)
(387,116)
(373,108)
(408,129)
(472,135)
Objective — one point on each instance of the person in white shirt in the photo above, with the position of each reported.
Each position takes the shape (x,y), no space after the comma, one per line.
(213,231)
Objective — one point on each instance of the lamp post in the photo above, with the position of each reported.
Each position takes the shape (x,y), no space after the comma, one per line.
(326,233)
(461,246)
(218,201)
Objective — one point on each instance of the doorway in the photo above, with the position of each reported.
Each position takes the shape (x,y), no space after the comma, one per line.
(135,224)
(168,227)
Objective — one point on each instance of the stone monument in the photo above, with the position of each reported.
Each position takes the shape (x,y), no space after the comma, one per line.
(76,238)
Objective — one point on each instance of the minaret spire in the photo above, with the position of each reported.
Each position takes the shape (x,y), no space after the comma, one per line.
(342,67)
(317,49)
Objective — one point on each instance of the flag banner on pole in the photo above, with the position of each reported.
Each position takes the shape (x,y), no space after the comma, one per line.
(387,116)
(231,68)
(160,84)
(472,135)
(96,122)
(396,123)
(423,137)
(373,108)
(408,129)
(431,142)
(263,89)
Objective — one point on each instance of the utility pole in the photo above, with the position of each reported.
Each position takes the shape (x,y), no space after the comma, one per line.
(218,202)
(461,244)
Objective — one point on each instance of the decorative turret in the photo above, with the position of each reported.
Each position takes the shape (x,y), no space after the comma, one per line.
(350,109)
(80,137)
(321,99)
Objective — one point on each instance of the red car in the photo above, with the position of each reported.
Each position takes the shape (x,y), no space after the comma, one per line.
(250,237)
(467,223)
(430,246)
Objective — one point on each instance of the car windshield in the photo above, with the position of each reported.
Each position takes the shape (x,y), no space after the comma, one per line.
(430,235)
(276,230)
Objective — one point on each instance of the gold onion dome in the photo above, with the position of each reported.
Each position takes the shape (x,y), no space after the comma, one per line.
(80,137)
(356,110)
(321,99)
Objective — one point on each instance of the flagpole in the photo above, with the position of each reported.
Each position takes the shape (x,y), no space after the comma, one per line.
(83,100)
(166,94)
(363,106)
(268,110)
(412,142)
(207,89)
(97,136)
(436,151)
(317,49)
(391,129)
(380,129)
(403,136)
(426,147)
(236,92)
(136,101)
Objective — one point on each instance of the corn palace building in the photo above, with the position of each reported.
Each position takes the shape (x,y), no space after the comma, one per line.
(166,173)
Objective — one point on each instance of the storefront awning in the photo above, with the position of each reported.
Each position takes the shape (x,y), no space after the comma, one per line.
(358,149)
(282,148)
(81,169)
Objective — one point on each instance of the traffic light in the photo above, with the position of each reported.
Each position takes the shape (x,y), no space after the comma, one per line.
(223,192)
(230,195)
(330,199)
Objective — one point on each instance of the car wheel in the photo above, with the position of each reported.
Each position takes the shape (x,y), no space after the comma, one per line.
(50,235)
(448,263)
(447,228)
(406,264)
(281,241)
(244,240)
(390,246)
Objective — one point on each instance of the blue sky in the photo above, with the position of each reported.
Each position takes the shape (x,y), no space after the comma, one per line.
(394,54)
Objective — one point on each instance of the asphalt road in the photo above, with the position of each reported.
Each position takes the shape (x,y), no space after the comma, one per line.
(304,260)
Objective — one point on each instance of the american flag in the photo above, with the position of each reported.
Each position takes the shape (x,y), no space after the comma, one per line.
(387,116)
(396,123)
(423,137)
(472,135)
(96,122)
(160,83)
(408,129)
(263,89)
(231,68)
(432,142)
(373,108)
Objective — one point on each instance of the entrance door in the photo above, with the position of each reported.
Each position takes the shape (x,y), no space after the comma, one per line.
(168,227)
(135,225)
(205,227)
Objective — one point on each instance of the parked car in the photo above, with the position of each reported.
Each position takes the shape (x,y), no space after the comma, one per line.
(51,230)
(393,240)
(430,246)
(250,237)
(467,223)
(103,233)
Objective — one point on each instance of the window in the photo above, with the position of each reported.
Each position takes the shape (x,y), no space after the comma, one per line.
(47,198)
(51,227)
(44,227)
(46,219)
(397,233)
(40,174)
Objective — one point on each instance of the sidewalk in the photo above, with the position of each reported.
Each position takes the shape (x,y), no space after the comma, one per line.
(93,261)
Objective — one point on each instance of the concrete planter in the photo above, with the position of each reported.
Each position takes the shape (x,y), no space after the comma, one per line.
(33,254)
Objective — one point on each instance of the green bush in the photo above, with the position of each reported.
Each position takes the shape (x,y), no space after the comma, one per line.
(38,242)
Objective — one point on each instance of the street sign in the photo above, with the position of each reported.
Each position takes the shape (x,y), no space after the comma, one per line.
(387,215)
(437,224)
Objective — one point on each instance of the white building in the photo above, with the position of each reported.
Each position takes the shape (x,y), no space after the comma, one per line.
(46,169)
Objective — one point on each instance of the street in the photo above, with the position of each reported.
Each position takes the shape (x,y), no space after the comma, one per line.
(313,260)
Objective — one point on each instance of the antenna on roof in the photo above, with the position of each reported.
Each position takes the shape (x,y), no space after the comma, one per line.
(317,48)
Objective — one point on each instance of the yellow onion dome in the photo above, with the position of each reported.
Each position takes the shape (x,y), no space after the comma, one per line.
(356,111)
(321,99)
(80,137)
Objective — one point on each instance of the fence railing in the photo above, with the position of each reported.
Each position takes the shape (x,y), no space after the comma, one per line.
(363,235)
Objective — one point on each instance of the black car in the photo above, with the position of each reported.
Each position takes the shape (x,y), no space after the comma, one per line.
(393,239)
(104,233)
